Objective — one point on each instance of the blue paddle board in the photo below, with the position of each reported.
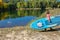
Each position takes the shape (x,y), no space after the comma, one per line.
(43,23)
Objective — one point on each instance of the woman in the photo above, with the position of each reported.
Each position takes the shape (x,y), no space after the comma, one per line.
(48,17)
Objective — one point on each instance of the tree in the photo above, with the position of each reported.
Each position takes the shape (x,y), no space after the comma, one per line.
(43,5)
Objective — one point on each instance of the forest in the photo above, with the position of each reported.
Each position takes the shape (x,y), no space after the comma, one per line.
(13,5)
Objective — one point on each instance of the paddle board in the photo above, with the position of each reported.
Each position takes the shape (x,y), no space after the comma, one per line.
(43,23)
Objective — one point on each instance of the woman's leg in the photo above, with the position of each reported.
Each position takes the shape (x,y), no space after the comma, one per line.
(50,28)
(45,29)
(50,21)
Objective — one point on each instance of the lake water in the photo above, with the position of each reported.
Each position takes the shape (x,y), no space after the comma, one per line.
(18,18)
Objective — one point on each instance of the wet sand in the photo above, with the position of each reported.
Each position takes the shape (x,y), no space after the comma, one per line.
(21,33)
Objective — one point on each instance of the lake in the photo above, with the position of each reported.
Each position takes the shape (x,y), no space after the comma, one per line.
(18,17)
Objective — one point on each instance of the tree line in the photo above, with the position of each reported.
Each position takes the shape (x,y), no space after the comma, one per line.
(30,4)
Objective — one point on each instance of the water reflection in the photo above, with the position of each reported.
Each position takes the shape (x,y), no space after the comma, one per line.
(19,13)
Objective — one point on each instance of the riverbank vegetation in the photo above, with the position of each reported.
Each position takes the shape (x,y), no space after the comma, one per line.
(26,8)
(11,5)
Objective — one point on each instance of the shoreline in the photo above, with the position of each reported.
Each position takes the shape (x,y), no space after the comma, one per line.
(17,33)
(30,8)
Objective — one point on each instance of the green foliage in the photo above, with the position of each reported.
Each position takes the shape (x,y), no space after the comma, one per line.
(18,5)
(5,5)
(37,3)
(32,4)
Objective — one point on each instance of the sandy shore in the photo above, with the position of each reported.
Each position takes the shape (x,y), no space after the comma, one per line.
(21,33)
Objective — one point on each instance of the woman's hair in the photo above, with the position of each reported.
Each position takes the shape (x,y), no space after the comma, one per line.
(48,12)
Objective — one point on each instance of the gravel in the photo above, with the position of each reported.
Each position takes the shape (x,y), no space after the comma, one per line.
(17,34)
